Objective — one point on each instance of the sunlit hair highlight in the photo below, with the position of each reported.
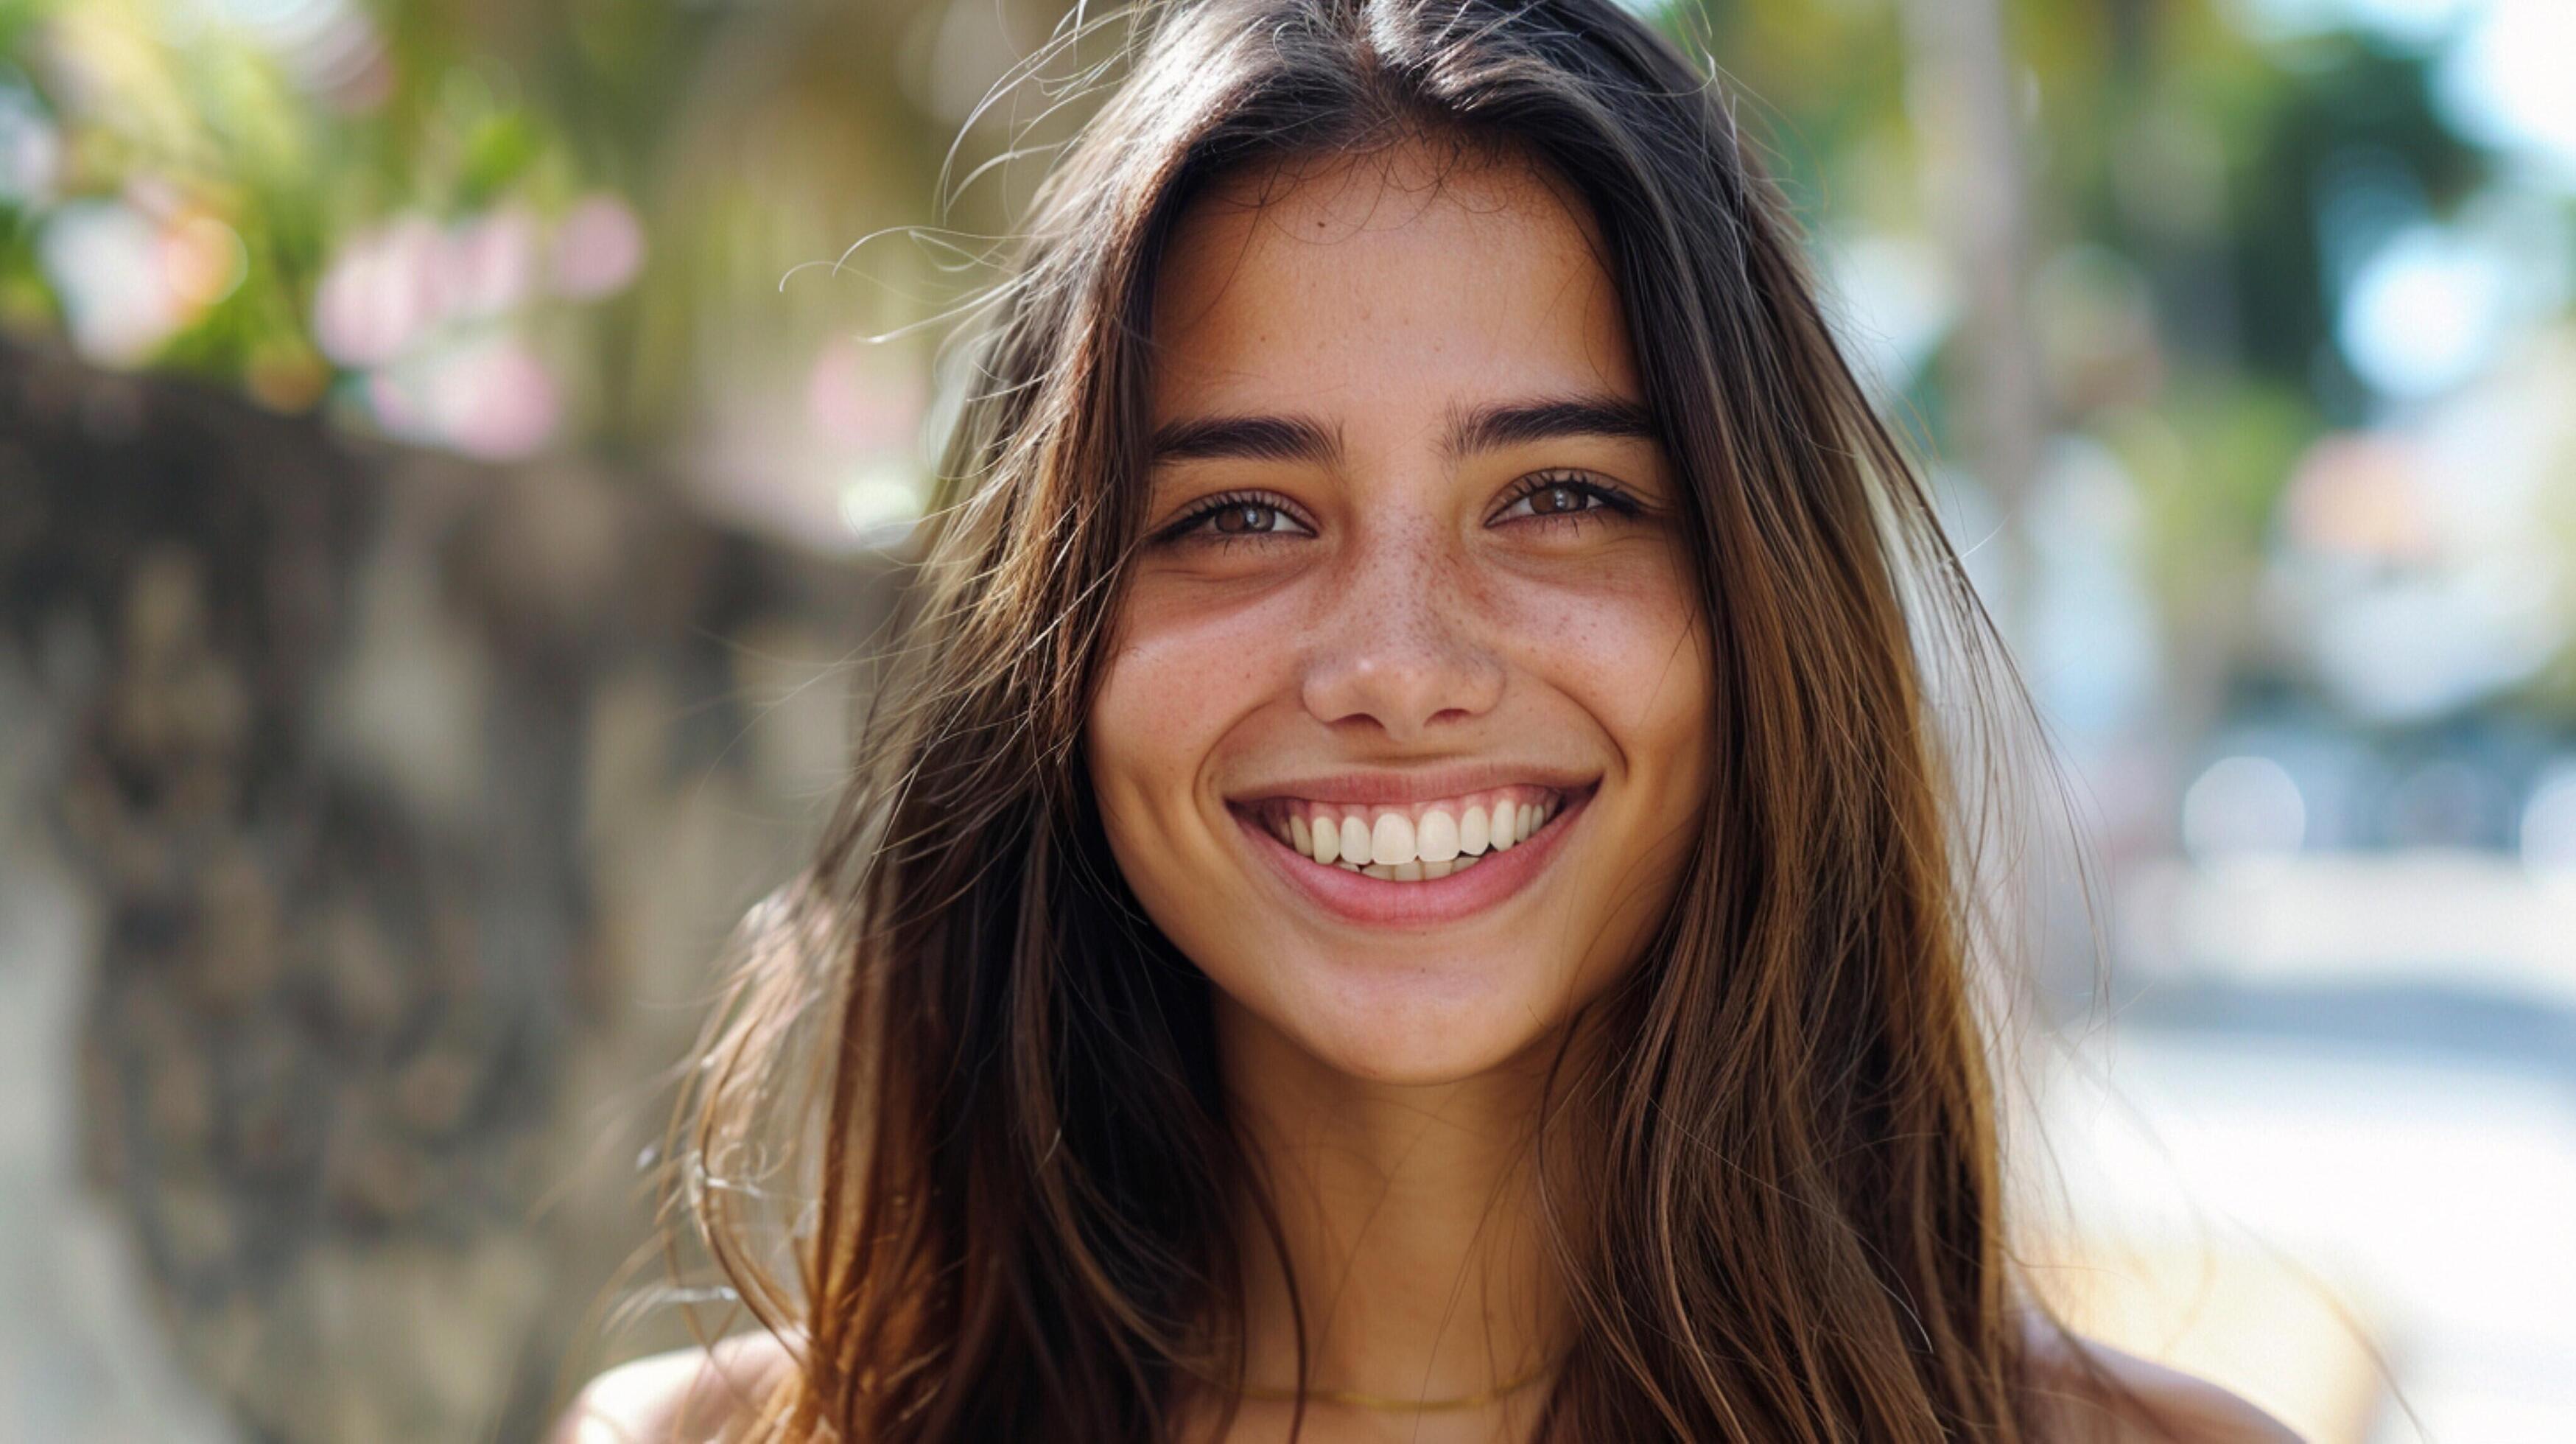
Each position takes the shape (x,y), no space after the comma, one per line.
(958,1133)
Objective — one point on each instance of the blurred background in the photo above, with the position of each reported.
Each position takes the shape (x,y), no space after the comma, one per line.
(448,456)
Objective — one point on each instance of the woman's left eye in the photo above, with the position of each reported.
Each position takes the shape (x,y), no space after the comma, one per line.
(1564,498)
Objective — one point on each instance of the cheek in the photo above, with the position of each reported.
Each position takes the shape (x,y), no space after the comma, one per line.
(1169,690)
(1623,641)
(1181,678)
(1622,638)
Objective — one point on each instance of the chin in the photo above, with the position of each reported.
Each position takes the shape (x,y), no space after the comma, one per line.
(1414,1023)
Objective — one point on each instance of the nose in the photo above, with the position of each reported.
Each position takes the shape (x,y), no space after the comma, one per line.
(1396,649)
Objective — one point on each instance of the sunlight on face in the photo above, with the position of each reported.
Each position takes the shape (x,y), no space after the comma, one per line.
(1406,734)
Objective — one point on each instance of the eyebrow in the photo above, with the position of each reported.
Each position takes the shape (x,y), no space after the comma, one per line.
(1253,438)
(1491,428)
(1483,428)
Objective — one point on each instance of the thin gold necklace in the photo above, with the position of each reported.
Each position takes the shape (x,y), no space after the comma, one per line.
(1357,1400)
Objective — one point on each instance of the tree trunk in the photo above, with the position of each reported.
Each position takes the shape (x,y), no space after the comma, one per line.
(412,801)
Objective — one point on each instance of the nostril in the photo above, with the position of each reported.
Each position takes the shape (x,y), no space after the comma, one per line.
(1399,681)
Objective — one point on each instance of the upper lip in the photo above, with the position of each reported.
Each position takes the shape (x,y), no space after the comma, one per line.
(1398,787)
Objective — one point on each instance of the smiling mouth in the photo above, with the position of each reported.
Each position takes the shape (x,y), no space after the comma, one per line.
(1419,842)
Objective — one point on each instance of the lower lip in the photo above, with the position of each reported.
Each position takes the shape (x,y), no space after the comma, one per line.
(1384,902)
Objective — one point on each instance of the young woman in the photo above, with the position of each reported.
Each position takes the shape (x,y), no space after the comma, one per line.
(1405,883)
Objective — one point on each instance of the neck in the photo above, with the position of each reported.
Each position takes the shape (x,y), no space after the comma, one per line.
(1410,1218)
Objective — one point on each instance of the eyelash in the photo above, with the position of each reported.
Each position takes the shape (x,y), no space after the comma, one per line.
(1608,498)
(1195,520)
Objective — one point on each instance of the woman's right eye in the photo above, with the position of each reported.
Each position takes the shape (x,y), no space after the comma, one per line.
(1238,518)
(1251,516)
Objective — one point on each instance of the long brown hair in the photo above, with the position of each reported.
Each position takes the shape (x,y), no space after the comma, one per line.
(1000,1205)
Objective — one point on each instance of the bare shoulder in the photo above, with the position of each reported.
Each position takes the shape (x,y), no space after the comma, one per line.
(2144,1403)
(687,1396)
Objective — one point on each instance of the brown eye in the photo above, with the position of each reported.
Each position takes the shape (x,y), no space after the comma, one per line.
(1246,517)
(1552,500)
(1571,499)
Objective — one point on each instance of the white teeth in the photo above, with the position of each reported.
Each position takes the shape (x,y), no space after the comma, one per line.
(1475,832)
(1328,839)
(1438,836)
(1391,841)
(1396,844)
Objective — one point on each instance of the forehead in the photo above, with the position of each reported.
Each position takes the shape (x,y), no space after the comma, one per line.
(1382,283)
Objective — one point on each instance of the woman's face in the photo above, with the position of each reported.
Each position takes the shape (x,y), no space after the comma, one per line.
(1406,733)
